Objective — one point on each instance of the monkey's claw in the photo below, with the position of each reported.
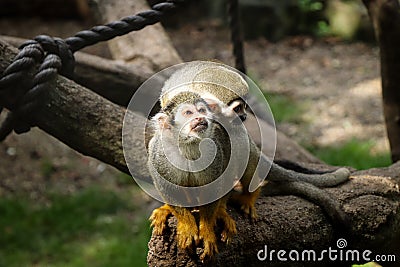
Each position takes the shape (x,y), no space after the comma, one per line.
(229,231)
(158,219)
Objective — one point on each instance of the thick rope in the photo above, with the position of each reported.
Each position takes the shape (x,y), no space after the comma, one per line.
(56,57)
(120,27)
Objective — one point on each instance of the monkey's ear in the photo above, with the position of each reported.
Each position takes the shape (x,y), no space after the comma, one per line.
(213,105)
(160,121)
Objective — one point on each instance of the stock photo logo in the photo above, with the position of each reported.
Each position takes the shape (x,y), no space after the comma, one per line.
(196,143)
(342,252)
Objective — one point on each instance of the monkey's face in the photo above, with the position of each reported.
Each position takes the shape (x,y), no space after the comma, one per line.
(193,121)
(234,113)
(239,108)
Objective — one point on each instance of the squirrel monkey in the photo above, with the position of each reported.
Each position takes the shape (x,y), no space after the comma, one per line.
(219,85)
(178,132)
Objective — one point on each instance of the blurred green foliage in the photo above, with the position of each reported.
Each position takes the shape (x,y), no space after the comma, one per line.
(311,18)
(284,108)
(354,153)
(93,227)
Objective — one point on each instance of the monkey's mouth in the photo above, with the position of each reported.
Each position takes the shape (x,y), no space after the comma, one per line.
(200,126)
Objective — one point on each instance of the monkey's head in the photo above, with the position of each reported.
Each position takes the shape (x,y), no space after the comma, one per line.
(188,118)
(214,82)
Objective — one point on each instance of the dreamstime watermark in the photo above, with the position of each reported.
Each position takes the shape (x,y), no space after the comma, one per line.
(205,77)
(338,253)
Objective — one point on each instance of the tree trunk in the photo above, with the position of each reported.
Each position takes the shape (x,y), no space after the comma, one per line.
(385,16)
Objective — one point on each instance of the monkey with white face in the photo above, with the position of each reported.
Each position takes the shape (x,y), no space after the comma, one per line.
(177,159)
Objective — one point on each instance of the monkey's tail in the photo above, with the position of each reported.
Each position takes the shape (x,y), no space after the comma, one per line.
(316,195)
(293,166)
(280,174)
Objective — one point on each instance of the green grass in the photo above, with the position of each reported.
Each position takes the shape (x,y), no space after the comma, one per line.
(353,153)
(91,228)
(284,108)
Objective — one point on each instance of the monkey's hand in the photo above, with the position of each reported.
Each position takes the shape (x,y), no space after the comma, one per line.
(229,225)
(159,217)
(247,201)
(187,230)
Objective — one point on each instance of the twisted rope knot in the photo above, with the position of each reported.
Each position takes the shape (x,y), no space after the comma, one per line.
(60,48)
(54,56)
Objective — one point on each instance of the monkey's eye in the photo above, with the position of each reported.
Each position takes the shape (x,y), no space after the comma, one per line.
(202,110)
(238,108)
(187,112)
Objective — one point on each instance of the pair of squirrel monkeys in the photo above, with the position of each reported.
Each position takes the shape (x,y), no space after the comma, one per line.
(204,100)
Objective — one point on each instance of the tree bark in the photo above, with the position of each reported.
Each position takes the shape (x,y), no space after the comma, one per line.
(385,16)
